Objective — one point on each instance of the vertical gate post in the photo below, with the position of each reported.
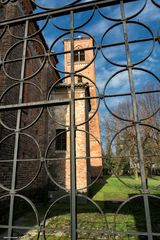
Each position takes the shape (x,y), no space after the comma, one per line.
(73,141)
(137,124)
(17,133)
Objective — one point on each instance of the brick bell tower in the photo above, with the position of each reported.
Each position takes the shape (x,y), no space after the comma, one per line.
(93,150)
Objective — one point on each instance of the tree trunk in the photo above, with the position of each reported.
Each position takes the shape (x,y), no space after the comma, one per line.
(135,171)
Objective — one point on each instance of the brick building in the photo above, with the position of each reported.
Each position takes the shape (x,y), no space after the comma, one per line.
(36,128)
(88,150)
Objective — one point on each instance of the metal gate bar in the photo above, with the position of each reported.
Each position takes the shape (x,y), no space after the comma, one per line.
(136,123)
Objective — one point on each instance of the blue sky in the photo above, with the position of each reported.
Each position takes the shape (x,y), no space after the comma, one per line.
(97,27)
(54,3)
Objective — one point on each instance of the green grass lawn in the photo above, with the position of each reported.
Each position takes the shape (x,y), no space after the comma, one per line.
(109,195)
(115,190)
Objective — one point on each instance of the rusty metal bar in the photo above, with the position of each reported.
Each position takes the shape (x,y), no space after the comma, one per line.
(73,200)
(16,147)
(137,125)
(63,11)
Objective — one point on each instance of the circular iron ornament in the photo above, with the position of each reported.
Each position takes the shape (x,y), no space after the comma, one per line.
(31,35)
(99,209)
(59,83)
(126,202)
(4,1)
(38,160)
(46,167)
(129,22)
(7,1)
(156,3)
(63,53)
(77,157)
(127,18)
(20,59)
(158,130)
(33,207)
(110,147)
(68,196)
(48,211)
(80,26)
(49,8)
(129,94)
(36,118)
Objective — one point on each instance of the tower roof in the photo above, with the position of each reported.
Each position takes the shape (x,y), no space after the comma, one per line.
(77,38)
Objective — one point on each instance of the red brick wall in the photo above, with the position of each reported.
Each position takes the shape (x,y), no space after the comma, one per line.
(26,170)
(95,165)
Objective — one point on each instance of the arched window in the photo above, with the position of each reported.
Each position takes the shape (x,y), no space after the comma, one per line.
(79,55)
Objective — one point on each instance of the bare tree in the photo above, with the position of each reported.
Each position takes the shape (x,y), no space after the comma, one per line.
(122,151)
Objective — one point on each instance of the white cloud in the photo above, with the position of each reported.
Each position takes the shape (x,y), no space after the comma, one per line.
(150,13)
(98,26)
(86,0)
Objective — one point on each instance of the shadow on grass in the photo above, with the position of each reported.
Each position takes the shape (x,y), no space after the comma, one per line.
(131,217)
(101,182)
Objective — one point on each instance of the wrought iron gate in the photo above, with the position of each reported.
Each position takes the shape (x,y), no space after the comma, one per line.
(25,104)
